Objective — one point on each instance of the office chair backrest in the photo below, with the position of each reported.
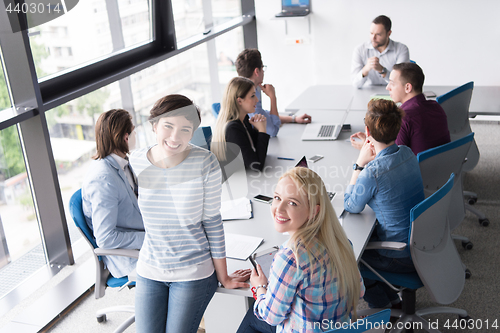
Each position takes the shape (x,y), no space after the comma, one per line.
(102,274)
(76,211)
(202,137)
(215,109)
(372,323)
(456,105)
(432,249)
(436,165)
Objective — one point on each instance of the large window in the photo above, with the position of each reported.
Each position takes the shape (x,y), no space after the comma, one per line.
(185,74)
(89,32)
(21,252)
(190,19)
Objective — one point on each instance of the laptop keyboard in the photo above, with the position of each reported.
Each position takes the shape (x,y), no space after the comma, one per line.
(326,131)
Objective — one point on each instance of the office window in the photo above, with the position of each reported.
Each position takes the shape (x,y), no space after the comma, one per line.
(228,46)
(186,74)
(84,34)
(4,93)
(225,10)
(189,16)
(72,137)
(21,251)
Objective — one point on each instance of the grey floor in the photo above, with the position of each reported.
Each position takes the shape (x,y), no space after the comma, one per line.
(479,297)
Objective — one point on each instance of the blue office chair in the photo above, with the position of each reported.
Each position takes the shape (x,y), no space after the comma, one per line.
(373,323)
(436,164)
(202,137)
(437,262)
(456,106)
(103,277)
(215,109)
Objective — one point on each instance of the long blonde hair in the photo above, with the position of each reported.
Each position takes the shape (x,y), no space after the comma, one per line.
(324,227)
(230,110)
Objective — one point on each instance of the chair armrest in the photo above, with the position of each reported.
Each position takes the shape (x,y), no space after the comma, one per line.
(117,252)
(396,246)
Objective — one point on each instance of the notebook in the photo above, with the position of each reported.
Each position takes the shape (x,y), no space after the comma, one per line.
(324,131)
(290,8)
(336,198)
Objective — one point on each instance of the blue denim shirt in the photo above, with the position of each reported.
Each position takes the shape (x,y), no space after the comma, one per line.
(273,121)
(391,185)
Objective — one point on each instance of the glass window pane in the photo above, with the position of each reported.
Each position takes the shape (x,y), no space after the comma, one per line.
(225,10)
(21,251)
(4,94)
(186,74)
(188,18)
(87,33)
(72,136)
(228,46)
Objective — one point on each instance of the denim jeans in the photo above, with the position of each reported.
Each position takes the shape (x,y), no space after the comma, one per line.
(172,307)
(252,324)
(378,294)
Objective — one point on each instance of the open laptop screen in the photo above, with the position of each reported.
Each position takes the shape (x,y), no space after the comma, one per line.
(294,3)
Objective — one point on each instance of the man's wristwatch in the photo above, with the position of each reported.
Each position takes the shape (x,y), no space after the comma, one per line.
(384,71)
(293,118)
(357,167)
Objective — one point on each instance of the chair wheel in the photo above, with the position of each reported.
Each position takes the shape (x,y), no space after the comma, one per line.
(484,222)
(102,318)
(471,201)
(467,245)
(468,273)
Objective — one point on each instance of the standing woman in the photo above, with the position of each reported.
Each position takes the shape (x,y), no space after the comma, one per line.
(314,280)
(234,126)
(183,255)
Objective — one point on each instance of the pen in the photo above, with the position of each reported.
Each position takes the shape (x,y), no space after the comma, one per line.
(286,158)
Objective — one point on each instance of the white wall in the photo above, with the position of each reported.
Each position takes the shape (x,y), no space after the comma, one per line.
(454,41)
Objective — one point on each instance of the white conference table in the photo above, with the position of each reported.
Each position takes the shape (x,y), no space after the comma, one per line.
(335,169)
(485,99)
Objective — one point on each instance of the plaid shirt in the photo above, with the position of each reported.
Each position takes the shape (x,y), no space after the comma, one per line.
(302,298)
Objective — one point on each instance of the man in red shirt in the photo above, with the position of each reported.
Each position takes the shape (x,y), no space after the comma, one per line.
(425,124)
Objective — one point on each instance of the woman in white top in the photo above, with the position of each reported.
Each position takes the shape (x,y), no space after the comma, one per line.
(183,255)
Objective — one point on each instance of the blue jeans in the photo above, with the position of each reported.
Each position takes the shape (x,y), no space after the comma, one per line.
(252,324)
(378,294)
(172,307)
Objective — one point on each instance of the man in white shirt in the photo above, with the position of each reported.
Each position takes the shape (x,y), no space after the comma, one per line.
(372,61)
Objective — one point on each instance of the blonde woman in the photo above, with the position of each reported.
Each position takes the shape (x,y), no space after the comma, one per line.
(314,280)
(234,126)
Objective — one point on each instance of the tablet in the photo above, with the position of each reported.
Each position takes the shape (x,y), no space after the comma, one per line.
(265,259)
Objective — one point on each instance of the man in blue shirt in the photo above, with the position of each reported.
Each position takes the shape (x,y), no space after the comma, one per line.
(387,178)
(249,65)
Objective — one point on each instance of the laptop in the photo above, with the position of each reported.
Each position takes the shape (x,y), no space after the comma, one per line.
(325,132)
(336,198)
(290,8)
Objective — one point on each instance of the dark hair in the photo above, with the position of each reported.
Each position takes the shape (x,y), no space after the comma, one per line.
(383,119)
(384,20)
(174,105)
(110,129)
(411,73)
(248,60)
